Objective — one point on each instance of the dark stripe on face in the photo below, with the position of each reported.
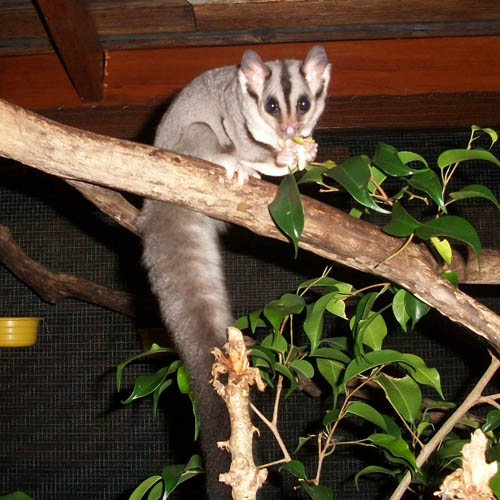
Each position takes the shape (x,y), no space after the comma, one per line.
(286,85)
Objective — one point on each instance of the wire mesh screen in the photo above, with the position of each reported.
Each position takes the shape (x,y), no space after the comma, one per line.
(64,433)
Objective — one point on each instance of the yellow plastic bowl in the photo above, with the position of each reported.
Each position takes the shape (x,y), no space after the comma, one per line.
(18,332)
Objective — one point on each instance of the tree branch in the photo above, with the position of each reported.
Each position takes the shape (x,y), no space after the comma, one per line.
(147,171)
(54,286)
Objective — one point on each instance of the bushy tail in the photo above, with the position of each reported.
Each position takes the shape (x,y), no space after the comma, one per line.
(181,254)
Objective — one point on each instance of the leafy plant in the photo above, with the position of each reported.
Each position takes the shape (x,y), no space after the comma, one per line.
(356,364)
(350,365)
(160,487)
(363,178)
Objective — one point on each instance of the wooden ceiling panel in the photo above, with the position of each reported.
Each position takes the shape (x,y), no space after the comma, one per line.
(125,24)
(134,17)
(359,68)
(229,15)
(19,20)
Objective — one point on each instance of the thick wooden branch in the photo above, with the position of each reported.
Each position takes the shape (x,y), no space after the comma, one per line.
(159,174)
(54,286)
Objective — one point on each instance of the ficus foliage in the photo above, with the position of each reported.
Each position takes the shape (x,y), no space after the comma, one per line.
(355,361)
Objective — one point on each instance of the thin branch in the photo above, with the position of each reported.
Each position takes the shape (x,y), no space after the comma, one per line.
(471,400)
(274,429)
(54,286)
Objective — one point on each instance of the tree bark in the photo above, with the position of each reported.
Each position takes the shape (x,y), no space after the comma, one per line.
(54,286)
(85,157)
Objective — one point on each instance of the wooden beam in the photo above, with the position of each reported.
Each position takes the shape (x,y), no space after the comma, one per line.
(74,35)
(157,23)
(271,14)
(359,68)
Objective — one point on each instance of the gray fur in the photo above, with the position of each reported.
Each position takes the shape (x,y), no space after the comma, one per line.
(220,117)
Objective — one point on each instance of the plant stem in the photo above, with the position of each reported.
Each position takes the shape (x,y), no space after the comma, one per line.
(471,400)
(397,252)
(274,429)
(323,450)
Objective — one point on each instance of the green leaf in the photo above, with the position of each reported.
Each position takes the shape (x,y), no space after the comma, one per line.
(371,360)
(357,212)
(378,177)
(451,226)
(415,308)
(493,453)
(457,155)
(277,310)
(296,468)
(331,353)
(399,308)
(314,174)
(492,421)
(255,321)
(337,308)
(185,388)
(157,393)
(183,381)
(402,223)
(302,441)
(191,469)
(451,448)
(259,352)
(396,446)
(374,469)
(493,135)
(340,343)
(451,276)
(154,349)
(275,342)
(408,157)
(448,226)
(332,371)
(373,331)
(317,492)
(330,417)
(146,384)
(280,368)
(367,412)
(16,495)
(428,182)
(171,476)
(174,475)
(443,247)
(142,489)
(403,393)
(387,159)
(354,175)
(303,367)
(325,281)
(287,211)
(475,191)
(392,428)
(156,492)
(422,373)
(313,324)
(363,311)
(251,320)
(494,483)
